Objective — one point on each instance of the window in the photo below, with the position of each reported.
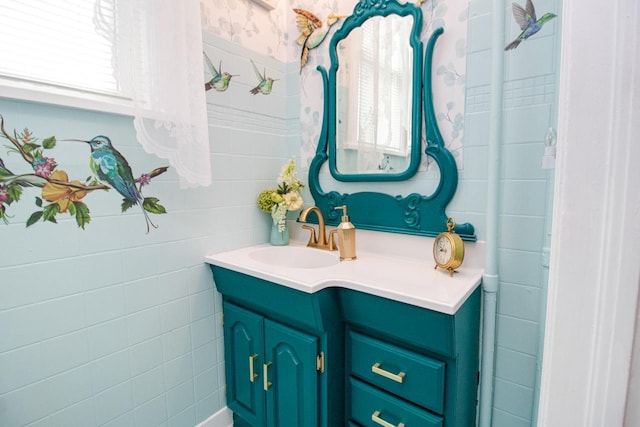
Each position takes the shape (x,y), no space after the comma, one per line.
(121,56)
(384,92)
(383,87)
(61,51)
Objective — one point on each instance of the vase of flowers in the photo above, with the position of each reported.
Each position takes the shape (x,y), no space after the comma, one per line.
(279,200)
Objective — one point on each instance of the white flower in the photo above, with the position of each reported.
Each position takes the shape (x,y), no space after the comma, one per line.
(284,198)
(293,200)
(279,214)
(288,176)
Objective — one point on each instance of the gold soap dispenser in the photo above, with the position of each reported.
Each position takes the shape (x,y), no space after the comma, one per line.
(346,237)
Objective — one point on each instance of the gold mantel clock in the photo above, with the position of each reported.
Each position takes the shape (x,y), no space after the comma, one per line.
(448,249)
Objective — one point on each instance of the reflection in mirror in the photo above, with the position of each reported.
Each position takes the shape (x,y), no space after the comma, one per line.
(374,97)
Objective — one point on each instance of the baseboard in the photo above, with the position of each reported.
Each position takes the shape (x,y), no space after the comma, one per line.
(222,418)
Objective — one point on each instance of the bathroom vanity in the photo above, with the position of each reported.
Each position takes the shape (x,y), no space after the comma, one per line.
(380,341)
(384,340)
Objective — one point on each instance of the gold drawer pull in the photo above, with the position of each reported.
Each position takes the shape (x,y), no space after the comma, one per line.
(265,374)
(252,360)
(376,419)
(376,369)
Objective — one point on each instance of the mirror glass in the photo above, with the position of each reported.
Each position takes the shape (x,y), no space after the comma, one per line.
(374,95)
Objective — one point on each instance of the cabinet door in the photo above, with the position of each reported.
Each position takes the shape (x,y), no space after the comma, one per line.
(243,352)
(290,366)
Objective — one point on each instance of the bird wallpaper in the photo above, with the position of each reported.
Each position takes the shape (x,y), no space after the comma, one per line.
(528,23)
(299,32)
(219,80)
(58,193)
(265,83)
(312,33)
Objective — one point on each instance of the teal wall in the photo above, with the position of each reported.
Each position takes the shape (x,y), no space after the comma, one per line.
(111,326)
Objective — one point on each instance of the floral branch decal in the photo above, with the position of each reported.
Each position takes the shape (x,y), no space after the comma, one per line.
(59,194)
(455,120)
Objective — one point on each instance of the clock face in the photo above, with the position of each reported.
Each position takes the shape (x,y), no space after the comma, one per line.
(442,250)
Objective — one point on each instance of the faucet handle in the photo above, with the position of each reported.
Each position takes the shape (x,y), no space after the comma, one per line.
(313,239)
(332,240)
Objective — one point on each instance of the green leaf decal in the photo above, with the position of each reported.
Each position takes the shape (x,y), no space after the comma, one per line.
(49,143)
(29,147)
(126,205)
(150,204)
(35,217)
(15,191)
(50,212)
(82,214)
(38,202)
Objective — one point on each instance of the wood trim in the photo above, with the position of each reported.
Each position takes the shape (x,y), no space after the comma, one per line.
(593,283)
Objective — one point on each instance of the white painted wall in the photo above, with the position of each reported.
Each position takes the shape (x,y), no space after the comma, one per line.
(594,272)
(632,412)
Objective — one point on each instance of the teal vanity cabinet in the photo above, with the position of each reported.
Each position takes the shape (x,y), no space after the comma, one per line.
(406,365)
(283,352)
(272,375)
(342,357)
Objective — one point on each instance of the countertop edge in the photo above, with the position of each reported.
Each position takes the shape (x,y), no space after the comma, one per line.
(467,281)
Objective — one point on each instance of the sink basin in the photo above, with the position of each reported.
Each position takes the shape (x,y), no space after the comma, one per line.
(294,257)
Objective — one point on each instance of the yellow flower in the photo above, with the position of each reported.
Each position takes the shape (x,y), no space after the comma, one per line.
(265,201)
(62,194)
(277,198)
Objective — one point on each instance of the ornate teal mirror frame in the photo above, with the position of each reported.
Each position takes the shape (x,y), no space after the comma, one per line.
(413,214)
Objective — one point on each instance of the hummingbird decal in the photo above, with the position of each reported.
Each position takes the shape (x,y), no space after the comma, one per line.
(312,33)
(526,19)
(265,84)
(219,81)
(111,167)
(59,193)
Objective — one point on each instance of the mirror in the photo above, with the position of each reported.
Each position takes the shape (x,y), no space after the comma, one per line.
(375,102)
(415,213)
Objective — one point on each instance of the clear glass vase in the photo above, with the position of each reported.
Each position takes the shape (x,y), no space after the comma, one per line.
(277,237)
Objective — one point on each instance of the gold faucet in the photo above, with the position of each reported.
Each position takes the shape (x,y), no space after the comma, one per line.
(319,241)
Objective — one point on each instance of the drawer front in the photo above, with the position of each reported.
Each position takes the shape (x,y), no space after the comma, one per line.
(412,376)
(371,407)
(427,329)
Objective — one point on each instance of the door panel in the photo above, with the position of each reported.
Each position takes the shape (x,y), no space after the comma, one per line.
(292,399)
(244,344)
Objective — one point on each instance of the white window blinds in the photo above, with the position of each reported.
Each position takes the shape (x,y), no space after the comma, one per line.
(56,43)
(383,87)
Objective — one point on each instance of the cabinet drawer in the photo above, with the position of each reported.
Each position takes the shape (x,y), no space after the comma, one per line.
(367,403)
(412,376)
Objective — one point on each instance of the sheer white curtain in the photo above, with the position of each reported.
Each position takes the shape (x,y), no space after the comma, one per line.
(159,43)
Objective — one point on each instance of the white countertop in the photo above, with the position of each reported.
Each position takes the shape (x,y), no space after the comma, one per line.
(398,267)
